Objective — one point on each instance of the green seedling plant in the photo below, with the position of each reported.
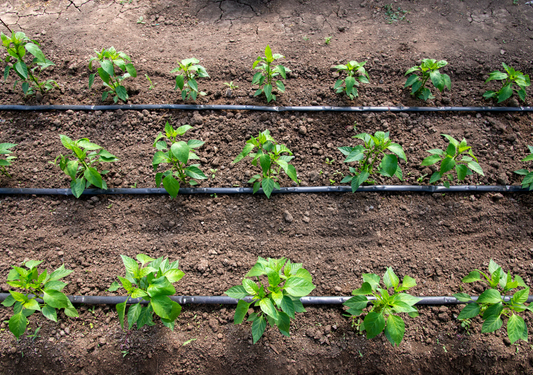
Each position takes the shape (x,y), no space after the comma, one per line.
(355,73)
(35,285)
(17,46)
(278,298)
(386,306)
(269,157)
(327,40)
(429,70)
(108,59)
(231,85)
(370,155)
(186,80)
(527,182)
(177,154)
(152,84)
(513,80)
(5,150)
(450,160)
(152,281)
(82,170)
(266,77)
(492,306)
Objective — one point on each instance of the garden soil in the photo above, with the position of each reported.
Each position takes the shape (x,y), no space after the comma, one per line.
(435,238)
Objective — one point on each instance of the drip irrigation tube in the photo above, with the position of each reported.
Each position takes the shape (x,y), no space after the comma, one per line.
(222,300)
(218,107)
(283,190)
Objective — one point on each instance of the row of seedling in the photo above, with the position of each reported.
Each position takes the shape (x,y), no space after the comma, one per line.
(275,287)
(113,67)
(377,155)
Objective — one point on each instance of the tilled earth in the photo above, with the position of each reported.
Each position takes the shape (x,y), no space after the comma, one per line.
(437,239)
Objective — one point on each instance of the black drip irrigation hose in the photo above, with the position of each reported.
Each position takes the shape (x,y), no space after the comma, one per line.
(284,190)
(218,107)
(222,300)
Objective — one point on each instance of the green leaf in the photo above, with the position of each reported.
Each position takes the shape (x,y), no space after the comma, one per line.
(131,70)
(268,54)
(165,308)
(55,299)
(273,278)
(395,329)
(21,68)
(181,151)
(122,93)
(389,165)
(398,150)
(505,93)
(49,313)
(161,286)
(130,264)
(412,79)
(516,329)
(250,287)
(268,186)
(470,311)
(491,324)
(283,324)
(17,324)
(374,324)
(408,282)
(258,328)
(237,292)
(447,164)
(268,308)
(287,306)
(59,273)
(461,171)
(462,297)
(174,275)
(475,167)
(390,279)
(171,185)
(298,287)
(194,172)
(32,304)
(121,311)
(490,296)
(93,176)
(493,310)
(356,305)
(9,301)
(133,314)
(472,277)
(240,311)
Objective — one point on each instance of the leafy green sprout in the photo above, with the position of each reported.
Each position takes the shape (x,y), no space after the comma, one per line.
(510,77)
(491,305)
(327,40)
(33,284)
(178,155)
(5,150)
(450,160)
(29,74)
(140,20)
(430,70)
(355,73)
(269,157)
(189,70)
(527,182)
(278,303)
(108,59)
(394,16)
(368,156)
(82,169)
(152,85)
(231,85)
(152,281)
(213,173)
(386,307)
(266,77)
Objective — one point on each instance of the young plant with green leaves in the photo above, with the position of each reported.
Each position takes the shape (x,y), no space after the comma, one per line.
(35,285)
(266,77)
(450,160)
(278,298)
(269,157)
(369,155)
(429,70)
(355,73)
(27,73)
(186,80)
(5,150)
(492,306)
(513,80)
(152,281)
(527,182)
(386,307)
(82,169)
(108,59)
(178,155)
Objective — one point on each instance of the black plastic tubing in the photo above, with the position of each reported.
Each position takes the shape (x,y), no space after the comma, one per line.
(218,107)
(284,190)
(222,300)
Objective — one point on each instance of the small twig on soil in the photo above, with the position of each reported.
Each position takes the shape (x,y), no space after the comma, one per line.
(6,26)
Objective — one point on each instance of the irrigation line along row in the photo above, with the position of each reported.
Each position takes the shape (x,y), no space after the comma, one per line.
(283,190)
(222,300)
(217,107)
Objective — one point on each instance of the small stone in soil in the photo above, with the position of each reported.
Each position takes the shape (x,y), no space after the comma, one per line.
(288,217)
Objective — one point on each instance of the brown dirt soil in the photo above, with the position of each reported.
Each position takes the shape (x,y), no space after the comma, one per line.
(436,239)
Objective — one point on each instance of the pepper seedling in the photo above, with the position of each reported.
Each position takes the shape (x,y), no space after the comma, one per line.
(178,155)
(527,182)
(5,150)
(383,316)
(278,299)
(81,170)
(186,81)
(368,156)
(430,70)
(35,285)
(152,281)
(449,161)
(266,75)
(269,157)
(491,305)
(510,77)
(355,73)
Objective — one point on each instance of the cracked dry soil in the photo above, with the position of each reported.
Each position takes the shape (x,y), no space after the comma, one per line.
(435,239)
